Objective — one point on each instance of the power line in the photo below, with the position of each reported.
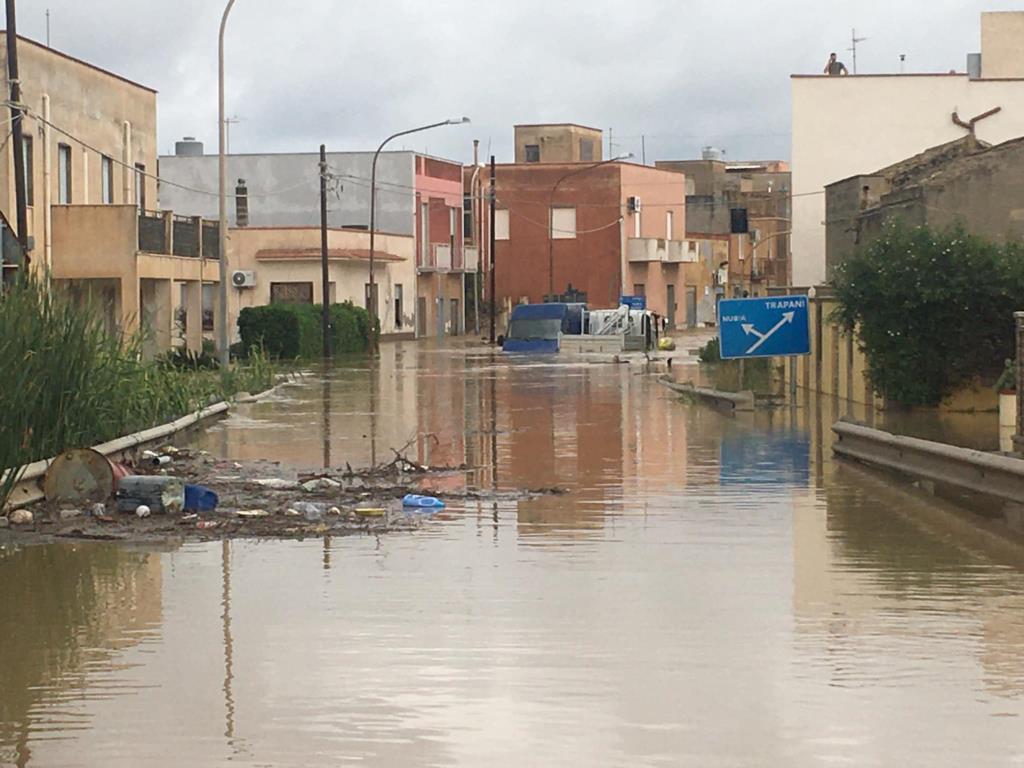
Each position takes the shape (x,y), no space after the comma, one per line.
(513,212)
(159,179)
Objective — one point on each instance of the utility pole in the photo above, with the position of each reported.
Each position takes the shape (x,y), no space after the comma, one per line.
(223,343)
(474,208)
(643,149)
(47,27)
(17,139)
(325,286)
(491,195)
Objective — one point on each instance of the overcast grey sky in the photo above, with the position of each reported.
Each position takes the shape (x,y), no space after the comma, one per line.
(683,72)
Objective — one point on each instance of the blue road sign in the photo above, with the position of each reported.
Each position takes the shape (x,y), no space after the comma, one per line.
(769,326)
(633,302)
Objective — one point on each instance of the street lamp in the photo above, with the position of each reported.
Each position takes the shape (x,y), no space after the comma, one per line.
(551,213)
(222,312)
(371,303)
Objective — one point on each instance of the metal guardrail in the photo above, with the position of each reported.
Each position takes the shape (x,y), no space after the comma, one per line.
(965,468)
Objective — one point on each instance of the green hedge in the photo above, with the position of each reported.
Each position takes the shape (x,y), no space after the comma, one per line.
(933,309)
(291,331)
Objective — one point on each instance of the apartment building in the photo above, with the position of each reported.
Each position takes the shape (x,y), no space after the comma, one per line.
(593,232)
(89,143)
(421,268)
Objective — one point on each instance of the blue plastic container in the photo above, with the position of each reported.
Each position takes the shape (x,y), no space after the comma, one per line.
(199,498)
(424,502)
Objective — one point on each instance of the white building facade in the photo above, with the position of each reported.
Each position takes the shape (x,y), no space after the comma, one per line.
(843,126)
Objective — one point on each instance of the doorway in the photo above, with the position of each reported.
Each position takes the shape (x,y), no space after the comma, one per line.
(691,307)
(670,305)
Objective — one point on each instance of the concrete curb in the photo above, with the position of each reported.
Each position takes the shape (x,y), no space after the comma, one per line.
(731,401)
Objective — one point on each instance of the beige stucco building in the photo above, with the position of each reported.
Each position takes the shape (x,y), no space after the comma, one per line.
(558,143)
(283,264)
(99,108)
(90,153)
(844,125)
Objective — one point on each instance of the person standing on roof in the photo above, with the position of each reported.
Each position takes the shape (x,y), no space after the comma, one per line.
(835,67)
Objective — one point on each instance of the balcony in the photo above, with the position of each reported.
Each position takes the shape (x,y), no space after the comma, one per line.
(647,249)
(471,258)
(443,258)
(164,232)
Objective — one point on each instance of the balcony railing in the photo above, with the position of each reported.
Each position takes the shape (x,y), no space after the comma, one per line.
(640,249)
(166,233)
(443,258)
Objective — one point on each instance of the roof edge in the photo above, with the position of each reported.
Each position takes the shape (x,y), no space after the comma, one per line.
(83,62)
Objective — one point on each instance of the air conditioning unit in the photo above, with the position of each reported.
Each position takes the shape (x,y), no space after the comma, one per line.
(243,278)
(633,203)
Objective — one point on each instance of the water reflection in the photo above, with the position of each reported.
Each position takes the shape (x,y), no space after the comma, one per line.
(709,589)
(68,612)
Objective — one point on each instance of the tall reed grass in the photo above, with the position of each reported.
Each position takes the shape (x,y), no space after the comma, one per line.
(65,382)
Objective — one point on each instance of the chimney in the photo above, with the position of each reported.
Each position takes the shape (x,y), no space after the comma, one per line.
(241,204)
(974,66)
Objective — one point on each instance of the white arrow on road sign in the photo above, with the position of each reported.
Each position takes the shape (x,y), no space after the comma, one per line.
(750,330)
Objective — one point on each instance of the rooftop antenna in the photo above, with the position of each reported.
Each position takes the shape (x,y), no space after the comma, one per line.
(853,47)
(228,121)
(903,61)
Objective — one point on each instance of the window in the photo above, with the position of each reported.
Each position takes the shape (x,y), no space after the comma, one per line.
(586,150)
(291,293)
(467,217)
(563,223)
(63,174)
(140,186)
(453,225)
(639,289)
(668,224)
(636,223)
(532,153)
(398,306)
(106,180)
(26,153)
(501,224)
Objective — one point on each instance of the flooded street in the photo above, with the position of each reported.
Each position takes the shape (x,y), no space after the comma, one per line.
(712,590)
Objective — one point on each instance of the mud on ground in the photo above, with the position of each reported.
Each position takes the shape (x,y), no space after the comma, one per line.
(260,500)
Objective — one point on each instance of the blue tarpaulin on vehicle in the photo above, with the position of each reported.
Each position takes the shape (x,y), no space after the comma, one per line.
(538,312)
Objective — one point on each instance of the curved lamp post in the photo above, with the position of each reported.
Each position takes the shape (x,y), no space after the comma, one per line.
(222,311)
(370,298)
(551,213)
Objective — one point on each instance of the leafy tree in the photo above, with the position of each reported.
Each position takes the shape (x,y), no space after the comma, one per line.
(933,309)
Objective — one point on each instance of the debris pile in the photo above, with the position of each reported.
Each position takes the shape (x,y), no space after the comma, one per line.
(180,494)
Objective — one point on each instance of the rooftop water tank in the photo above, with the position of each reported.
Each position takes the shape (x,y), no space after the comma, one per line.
(188,147)
(712,153)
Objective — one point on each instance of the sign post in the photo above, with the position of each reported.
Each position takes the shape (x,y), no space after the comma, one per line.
(770,326)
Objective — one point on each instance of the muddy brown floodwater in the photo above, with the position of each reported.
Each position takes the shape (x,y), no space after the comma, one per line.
(710,591)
